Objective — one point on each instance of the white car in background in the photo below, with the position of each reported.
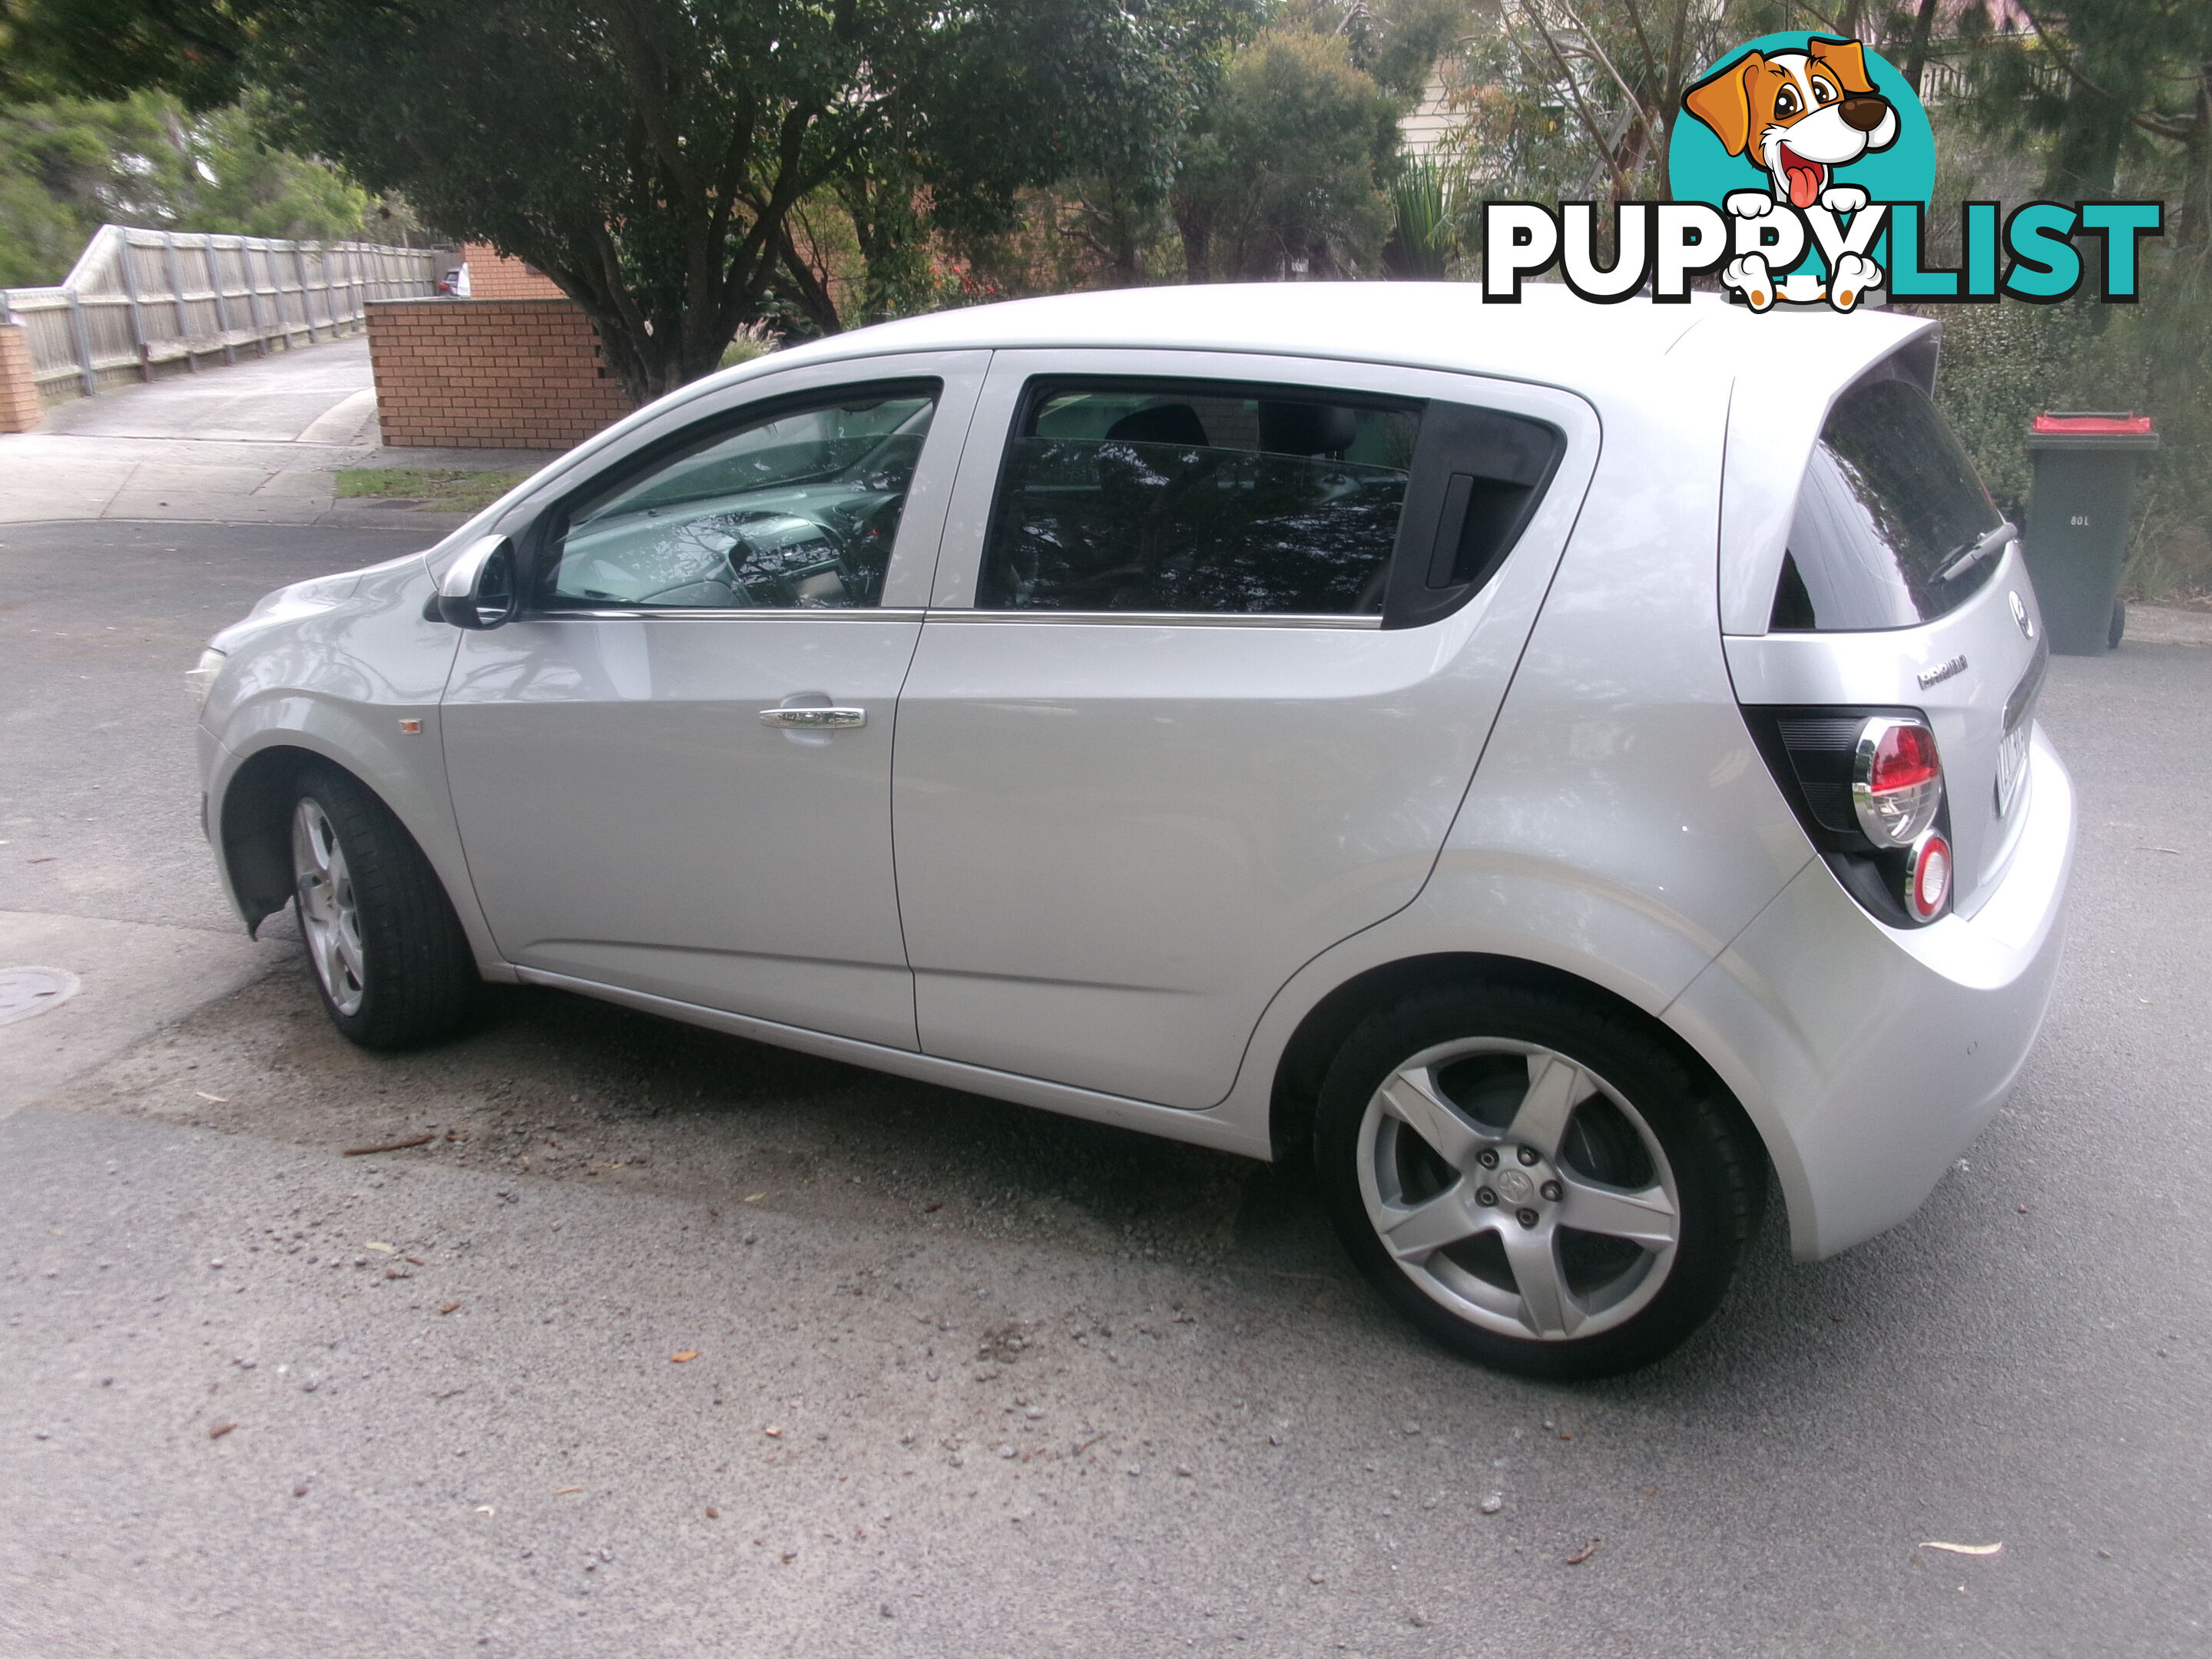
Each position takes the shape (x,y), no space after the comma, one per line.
(1546,767)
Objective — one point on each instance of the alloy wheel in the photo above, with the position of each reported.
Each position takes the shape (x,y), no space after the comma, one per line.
(1518,1189)
(330,910)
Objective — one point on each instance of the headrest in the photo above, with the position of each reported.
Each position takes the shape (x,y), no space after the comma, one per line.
(1162,423)
(1306,429)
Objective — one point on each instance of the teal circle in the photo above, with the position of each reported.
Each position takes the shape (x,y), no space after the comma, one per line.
(1698,169)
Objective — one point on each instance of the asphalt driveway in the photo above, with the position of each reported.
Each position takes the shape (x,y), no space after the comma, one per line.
(968,1379)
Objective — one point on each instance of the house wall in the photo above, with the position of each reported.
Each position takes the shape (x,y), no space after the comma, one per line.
(483,373)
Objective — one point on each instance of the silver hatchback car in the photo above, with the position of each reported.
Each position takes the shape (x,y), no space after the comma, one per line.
(1547,767)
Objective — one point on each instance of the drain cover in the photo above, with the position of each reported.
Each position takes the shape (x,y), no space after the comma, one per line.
(27,991)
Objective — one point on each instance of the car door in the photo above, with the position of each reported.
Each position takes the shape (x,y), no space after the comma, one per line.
(672,772)
(1215,645)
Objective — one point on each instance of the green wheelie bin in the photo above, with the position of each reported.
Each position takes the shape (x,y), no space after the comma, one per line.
(2077,522)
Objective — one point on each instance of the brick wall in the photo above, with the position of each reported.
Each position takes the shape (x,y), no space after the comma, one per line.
(19,392)
(489,373)
(493,276)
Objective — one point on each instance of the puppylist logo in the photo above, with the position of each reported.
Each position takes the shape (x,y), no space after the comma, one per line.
(1802,168)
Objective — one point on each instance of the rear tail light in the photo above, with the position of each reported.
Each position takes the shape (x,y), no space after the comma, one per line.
(1897,782)
(1927,879)
(1868,784)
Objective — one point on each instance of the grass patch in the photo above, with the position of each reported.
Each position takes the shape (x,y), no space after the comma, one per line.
(433,488)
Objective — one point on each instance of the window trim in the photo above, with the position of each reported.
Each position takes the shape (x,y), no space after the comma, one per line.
(550,519)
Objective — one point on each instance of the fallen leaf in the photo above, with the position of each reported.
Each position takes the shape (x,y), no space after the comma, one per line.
(755,1198)
(416,1260)
(932,1209)
(388,1249)
(484,1508)
(684,1358)
(220,1100)
(49,859)
(565,1490)
(449,1307)
(713,1514)
(1961,1549)
(773,1432)
(221,1429)
(1584,1552)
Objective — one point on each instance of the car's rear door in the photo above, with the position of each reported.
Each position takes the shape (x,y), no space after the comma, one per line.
(1216,643)
(1903,586)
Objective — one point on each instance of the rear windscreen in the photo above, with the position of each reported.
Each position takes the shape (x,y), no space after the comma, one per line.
(1888,518)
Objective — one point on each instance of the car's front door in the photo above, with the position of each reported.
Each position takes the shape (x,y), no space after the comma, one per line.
(672,772)
(1215,646)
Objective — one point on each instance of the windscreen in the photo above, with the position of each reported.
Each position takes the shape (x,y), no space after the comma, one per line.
(1889,519)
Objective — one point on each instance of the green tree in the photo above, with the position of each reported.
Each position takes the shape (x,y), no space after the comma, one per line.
(68,165)
(649,155)
(1284,174)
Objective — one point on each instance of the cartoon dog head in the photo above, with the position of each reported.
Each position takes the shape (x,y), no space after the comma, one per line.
(1802,114)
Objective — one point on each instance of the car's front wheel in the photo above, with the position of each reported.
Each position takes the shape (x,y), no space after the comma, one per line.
(391,961)
(1535,1180)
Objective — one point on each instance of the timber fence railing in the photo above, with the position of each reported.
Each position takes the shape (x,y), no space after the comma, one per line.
(145,302)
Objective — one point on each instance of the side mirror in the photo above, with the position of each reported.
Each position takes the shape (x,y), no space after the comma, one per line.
(478,589)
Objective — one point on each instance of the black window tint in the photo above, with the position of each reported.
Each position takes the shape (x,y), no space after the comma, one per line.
(1117,496)
(1889,508)
(795,509)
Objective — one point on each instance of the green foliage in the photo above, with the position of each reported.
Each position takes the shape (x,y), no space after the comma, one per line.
(751,341)
(111,48)
(69,165)
(1284,174)
(650,154)
(1424,235)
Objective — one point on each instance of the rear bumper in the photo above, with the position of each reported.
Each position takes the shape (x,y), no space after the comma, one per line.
(1869,1058)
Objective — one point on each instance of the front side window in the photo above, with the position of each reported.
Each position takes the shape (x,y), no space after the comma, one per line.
(1176,496)
(795,509)
(1889,519)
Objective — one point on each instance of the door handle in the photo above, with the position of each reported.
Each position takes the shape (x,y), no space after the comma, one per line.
(814,720)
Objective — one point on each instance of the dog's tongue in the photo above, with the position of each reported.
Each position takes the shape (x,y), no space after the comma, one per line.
(1804,180)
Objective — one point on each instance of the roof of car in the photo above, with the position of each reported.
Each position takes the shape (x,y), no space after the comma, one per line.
(1550,336)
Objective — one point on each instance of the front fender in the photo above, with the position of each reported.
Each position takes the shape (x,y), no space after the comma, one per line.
(357,682)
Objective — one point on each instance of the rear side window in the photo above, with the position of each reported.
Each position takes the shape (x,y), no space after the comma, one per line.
(1888,518)
(1169,497)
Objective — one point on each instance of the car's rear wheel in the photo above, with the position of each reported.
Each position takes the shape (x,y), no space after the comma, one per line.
(391,961)
(1535,1180)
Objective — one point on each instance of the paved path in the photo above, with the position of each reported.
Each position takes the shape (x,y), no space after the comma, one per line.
(258,442)
(853,1259)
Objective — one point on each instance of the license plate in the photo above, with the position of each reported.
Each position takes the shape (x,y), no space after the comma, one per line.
(2012,764)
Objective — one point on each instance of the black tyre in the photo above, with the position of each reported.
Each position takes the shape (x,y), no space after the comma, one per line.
(1536,1180)
(391,961)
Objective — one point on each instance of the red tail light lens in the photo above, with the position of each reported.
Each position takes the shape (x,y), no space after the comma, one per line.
(1897,781)
(1927,880)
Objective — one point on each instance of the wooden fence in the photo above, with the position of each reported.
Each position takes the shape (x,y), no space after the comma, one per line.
(143,302)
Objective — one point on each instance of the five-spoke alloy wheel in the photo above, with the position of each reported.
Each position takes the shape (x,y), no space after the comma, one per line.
(330,910)
(1537,1180)
(391,961)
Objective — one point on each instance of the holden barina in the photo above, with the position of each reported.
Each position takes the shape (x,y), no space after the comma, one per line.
(1558,771)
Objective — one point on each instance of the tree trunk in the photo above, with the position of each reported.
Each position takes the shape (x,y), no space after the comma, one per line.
(1916,55)
(2085,156)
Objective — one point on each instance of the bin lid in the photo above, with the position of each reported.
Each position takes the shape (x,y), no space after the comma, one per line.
(2091,428)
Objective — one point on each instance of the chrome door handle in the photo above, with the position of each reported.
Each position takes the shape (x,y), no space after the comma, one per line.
(813,719)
